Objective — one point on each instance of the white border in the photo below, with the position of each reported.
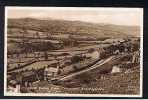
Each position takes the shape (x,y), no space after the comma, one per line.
(73,95)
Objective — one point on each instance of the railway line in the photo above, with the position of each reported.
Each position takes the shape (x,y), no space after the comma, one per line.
(98,65)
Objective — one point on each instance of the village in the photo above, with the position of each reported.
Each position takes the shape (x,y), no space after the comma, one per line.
(68,58)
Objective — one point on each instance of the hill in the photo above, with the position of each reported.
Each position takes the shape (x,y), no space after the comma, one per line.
(74,27)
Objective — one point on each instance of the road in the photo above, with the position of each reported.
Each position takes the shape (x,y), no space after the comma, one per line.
(97,65)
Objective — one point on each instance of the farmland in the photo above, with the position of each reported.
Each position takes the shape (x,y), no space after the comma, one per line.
(65,46)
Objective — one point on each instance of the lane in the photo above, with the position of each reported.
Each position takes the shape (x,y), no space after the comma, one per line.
(96,65)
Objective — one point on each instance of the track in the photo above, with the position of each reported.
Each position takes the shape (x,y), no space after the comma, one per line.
(99,64)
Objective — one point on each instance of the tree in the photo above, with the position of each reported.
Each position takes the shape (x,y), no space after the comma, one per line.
(75,59)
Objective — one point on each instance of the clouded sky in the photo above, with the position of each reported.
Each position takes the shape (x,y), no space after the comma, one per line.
(119,16)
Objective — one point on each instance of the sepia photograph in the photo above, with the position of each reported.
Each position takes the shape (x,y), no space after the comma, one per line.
(73,51)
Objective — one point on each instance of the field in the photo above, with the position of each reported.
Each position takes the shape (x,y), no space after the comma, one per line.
(36,45)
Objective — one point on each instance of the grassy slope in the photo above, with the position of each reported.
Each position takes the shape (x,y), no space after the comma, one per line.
(100,30)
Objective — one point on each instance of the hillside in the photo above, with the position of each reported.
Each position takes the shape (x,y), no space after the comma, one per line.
(75,27)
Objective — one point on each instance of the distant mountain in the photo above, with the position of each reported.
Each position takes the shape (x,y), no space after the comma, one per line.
(75,27)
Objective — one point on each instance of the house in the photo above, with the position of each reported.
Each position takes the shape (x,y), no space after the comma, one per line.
(136,57)
(15,89)
(50,72)
(13,86)
(115,69)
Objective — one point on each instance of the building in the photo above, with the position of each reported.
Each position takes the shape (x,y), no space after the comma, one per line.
(51,72)
(13,87)
(136,57)
(115,69)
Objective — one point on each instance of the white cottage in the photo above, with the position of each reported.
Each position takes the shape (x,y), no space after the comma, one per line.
(115,69)
(50,72)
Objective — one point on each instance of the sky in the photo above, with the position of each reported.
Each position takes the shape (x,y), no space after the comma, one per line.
(118,16)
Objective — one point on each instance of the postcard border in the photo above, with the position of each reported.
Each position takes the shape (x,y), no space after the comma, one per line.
(71,95)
